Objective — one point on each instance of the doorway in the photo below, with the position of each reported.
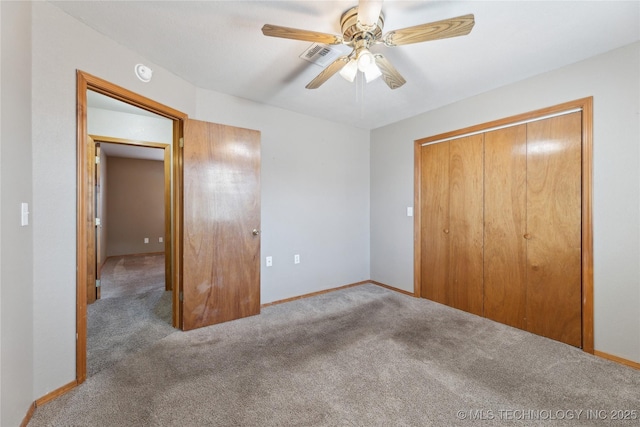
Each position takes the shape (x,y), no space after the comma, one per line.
(215,216)
(86,218)
(133,300)
(140,229)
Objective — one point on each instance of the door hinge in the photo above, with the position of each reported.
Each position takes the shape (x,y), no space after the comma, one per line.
(98,222)
(181,296)
(181,142)
(98,283)
(97,160)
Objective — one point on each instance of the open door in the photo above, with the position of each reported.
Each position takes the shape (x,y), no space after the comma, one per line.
(92,292)
(221,224)
(98,201)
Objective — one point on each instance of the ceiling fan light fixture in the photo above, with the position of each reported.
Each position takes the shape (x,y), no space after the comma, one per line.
(349,71)
(365,60)
(372,73)
(367,65)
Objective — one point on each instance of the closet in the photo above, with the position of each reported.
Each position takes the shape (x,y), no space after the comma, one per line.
(500,224)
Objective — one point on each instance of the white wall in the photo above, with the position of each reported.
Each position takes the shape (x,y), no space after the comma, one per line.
(613,80)
(136,127)
(16,248)
(1,62)
(315,195)
(60,45)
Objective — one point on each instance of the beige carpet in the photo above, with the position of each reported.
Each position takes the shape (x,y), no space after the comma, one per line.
(134,311)
(363,356)
(131,274)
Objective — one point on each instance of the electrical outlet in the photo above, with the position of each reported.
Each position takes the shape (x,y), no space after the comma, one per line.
(269,261)
(160,240)
(296,259)
(146,240)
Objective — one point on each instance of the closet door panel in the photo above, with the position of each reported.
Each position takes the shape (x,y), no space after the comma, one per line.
(466,223)
(435,221)
(554,228)
(505,249)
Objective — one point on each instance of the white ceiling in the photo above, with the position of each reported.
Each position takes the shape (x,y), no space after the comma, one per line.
(132,151)
(219,45)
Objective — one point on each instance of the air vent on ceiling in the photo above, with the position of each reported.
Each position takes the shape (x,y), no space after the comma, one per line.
(321,54)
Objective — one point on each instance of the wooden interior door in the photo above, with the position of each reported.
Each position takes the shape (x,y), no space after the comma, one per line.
(505,249)
(221,223)
(91,221)
(554,165)
(434,184)
(98,201)
(466,223)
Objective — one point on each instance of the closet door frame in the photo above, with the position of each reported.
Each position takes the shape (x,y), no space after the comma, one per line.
(586,106)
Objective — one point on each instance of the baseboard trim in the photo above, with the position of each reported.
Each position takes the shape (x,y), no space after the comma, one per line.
(326,291)
(617,359)
(55,393)
(391,288)
(313,294)
(27,418)
(140,254)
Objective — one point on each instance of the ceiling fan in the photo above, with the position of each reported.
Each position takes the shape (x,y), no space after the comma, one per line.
(362,28)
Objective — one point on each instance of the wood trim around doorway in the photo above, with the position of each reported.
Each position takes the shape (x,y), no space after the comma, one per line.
(84,82)
(584,104)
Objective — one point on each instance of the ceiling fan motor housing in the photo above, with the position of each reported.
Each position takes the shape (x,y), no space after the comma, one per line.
(352,32)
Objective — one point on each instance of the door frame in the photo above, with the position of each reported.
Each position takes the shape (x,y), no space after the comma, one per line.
(168,279)
(586,106)
(85,215)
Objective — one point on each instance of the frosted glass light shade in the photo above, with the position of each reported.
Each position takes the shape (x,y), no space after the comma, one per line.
(372,73)
(365,60)
(349,71)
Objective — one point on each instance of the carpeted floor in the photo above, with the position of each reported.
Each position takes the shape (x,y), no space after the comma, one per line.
(133,313)
(362,356)
(131,275)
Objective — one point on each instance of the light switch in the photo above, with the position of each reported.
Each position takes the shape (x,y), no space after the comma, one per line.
(269,261)
(410,211)
(24,211)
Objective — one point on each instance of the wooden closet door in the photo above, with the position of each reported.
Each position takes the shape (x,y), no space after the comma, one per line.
(505,249)
(434,184)
(554,166)
(466,223)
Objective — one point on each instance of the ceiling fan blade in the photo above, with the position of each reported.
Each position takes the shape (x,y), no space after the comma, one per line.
(296,34)
(369,12)
(390,75)
(333,68)
(452,27)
